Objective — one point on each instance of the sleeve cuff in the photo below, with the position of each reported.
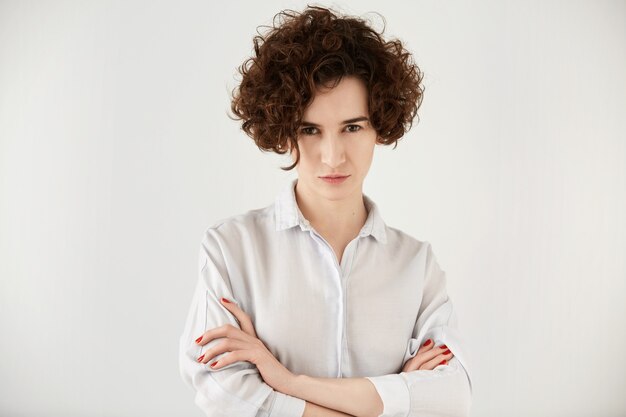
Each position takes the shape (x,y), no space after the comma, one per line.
(287,406)
(394,394)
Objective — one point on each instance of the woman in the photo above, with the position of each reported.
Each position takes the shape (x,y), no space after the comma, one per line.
(313,306)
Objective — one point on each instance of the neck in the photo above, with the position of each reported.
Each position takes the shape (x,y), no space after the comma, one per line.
(332,218)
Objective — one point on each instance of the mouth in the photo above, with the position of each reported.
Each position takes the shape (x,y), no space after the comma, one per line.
(335,179)
(335,176)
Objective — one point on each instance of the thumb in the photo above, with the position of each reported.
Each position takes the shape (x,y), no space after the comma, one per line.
(244,319)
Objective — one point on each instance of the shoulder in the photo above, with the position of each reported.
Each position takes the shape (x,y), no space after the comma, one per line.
(404,238)
(249,224)
(406,244)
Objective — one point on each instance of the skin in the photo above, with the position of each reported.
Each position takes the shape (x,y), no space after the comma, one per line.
(323,396)
(337,212)
(330,146)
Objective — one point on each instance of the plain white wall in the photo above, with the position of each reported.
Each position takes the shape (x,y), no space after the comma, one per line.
(116,153)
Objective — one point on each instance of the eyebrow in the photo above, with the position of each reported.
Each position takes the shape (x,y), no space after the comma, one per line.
(345,122)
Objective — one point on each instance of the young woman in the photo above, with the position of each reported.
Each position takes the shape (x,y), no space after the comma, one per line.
(313,306)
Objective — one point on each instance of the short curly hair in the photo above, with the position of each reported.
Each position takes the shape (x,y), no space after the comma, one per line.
(317,47)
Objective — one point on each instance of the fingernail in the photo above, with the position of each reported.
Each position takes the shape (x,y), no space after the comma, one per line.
(199,339)
(225,300)
(214,363)
(427,343)
(200,358)
(443,362)
(443,347)
(446,352)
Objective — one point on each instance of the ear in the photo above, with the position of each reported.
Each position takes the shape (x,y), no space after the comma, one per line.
(289,147)
(286,147)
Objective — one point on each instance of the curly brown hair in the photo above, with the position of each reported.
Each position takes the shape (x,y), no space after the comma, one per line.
(317,47)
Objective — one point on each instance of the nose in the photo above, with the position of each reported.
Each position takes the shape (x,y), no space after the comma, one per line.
(333,151)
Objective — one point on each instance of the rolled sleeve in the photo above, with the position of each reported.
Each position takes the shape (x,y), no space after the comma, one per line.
(394,393)
(236,389)
(445,390)
(286,405)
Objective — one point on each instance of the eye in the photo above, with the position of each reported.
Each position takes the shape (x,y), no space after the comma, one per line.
(356,130)
(306,131)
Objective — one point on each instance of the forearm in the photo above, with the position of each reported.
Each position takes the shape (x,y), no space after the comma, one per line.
(315,410)
(353,396)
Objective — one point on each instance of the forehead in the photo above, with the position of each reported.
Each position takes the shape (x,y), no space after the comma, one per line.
(346,100)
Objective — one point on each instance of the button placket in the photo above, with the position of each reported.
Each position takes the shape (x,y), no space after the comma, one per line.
(343,276)
(339,282)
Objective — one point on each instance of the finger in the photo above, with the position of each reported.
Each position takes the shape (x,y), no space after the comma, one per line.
(226,330)
(432,364)
(434,352)
(426,346)
(438,360)
(232,357)
(414,364)
(242,317)
(226,345)
(426,356)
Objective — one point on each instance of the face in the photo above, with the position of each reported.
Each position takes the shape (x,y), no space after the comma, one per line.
(336,137)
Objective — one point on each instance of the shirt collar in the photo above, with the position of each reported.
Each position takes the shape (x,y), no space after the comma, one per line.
(288,214)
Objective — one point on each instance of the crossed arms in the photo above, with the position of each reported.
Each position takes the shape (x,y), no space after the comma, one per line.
(238,389)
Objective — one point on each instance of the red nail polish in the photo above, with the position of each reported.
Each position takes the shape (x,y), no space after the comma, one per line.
(427,343)
(200,358)
(446,352)
(443,362)
(225,300)
(199,339)
(214,363)
(443,347)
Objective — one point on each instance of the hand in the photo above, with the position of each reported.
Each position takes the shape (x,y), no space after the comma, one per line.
(428,357)
(244,345)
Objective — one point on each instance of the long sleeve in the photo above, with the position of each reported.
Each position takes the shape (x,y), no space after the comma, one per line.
(446,390)
(237,389)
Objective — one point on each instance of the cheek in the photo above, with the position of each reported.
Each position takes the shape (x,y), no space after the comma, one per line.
(307,153)
(365,154)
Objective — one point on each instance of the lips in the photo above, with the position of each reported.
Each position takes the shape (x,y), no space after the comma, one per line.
(334,176)
(335,180)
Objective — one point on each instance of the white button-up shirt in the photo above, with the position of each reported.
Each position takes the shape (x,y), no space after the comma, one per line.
(363,317)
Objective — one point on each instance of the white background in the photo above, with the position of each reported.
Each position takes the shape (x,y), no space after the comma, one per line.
(116,153)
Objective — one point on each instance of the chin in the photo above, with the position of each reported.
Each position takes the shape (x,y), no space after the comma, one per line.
(334,191)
